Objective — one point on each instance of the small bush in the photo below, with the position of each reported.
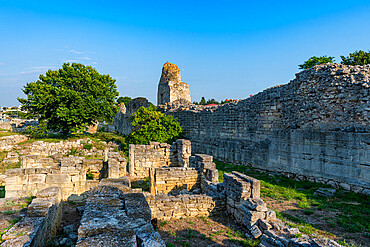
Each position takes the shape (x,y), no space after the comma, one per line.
(88,146)
(89,175)
(303,204)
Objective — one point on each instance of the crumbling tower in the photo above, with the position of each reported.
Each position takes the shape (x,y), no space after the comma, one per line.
(170,86)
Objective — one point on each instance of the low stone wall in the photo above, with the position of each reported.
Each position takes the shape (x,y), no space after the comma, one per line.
(70,176)
(165,207)
(69,173)
(173,180)
(155,155)
(7,142)
(41,223)
(112,218)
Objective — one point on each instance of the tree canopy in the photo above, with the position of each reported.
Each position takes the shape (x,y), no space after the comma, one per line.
(150,125)
(124,100)
(71,98)
(356,58)
(312,61)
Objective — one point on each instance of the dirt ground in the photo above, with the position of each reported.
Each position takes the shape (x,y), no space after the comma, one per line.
(203,231)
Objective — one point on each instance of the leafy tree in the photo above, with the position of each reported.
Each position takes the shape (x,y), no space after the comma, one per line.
(71,98)
(150,125)
(356,58)
(202,101)
(312,61)
(124,100)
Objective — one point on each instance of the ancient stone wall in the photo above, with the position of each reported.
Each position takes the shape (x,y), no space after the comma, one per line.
(170,87)
(165,207)
(316,127)
(68,173)
(155,155)
(172,180)
(122,120)
(41,223)
(7,142)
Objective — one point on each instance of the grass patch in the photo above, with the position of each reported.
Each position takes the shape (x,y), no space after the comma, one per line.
(143,184)
(353,209)
(7,133)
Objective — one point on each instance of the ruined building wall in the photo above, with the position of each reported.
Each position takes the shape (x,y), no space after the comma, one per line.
(170,87)
(167,180)
(316,127)
(155,155)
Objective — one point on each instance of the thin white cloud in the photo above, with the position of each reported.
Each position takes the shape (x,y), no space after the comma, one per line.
(1,64)
(76,52)
(84,58)
(38,69)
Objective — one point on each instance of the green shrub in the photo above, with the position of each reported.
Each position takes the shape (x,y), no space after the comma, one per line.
(88,146)
(89,175)
(312,61)
(150,125)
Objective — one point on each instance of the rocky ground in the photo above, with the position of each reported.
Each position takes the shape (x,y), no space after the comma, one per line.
(11,211)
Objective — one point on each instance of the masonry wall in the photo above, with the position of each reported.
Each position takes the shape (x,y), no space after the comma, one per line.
(165,207)
(316,127)
(155,155)
(174,179)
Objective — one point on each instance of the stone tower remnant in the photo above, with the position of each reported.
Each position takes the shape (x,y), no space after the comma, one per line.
(170,86)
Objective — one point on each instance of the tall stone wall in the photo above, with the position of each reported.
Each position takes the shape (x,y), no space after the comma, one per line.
(316,127)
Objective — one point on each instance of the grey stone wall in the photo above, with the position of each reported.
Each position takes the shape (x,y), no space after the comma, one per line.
(316,127)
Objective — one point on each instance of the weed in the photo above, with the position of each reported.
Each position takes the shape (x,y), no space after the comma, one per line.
(89,175)
(14,221)
(308,212)
(8,212)
(88,146)
(191,222)
(303,204)
(163,223)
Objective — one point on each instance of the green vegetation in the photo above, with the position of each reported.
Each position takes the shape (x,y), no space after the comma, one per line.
(89,175)
(352,208)
(88,146)
(71,98)
(150,125)
(312,61)
(124,100)
(356,58)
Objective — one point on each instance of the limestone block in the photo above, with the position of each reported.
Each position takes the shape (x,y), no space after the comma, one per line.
(26,226)
(36,178)
(40,206)
(58,179)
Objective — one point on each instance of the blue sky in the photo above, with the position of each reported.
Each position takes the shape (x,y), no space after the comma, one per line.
(225,49)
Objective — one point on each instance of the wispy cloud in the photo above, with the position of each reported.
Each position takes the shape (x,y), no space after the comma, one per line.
(76,52)
(84,58)
(1,64)
(38,69)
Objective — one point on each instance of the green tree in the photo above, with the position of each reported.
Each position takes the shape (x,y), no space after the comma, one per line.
(71,98)
(356,58)
(202,101)
(148,124)
(312,61)
(124,100)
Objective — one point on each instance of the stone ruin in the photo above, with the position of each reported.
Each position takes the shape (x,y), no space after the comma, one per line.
(170,87)
(114,214)
(121,122)
(316,127)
